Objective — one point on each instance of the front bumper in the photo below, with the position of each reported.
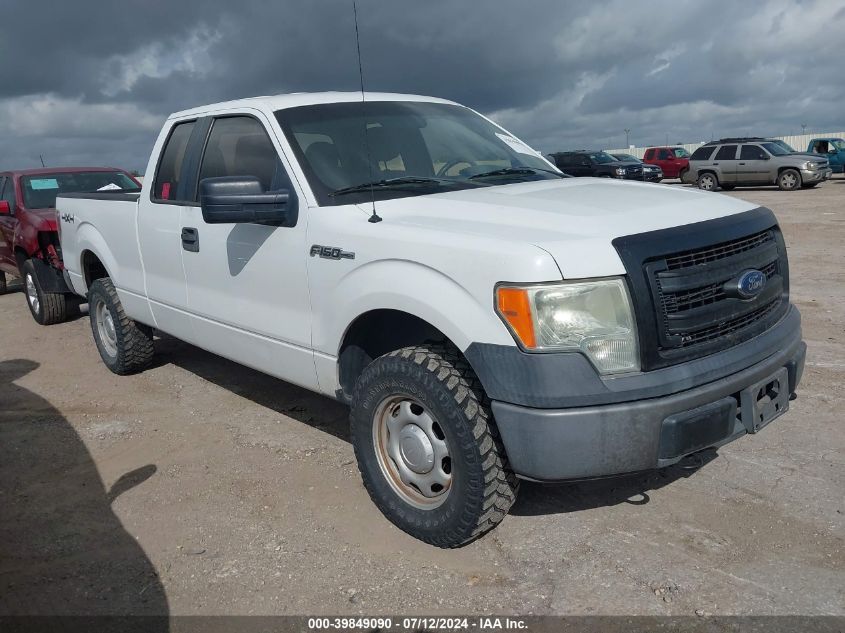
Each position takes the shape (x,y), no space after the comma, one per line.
(611,437)
(816,175)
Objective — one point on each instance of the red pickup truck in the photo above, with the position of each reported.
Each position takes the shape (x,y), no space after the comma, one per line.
(29,241)
(674,161)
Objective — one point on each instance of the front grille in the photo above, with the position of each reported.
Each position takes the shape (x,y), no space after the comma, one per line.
(684,285)
(719,251)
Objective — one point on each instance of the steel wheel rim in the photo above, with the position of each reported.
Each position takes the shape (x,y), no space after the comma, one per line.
(789,181)
(106,329)
(32,294)
(412,452)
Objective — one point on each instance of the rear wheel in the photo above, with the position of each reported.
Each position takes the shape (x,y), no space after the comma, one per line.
(789,180)
(47,308)
(2,282)
(682,175)
(427,446)
(125,346)
(708,181)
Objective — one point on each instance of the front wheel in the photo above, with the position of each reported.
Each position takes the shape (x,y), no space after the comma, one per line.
(125,346)
(708,181)
(47,308)
(789,180)
(427,446)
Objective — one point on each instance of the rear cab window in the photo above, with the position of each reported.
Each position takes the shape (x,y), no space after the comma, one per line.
(168,178)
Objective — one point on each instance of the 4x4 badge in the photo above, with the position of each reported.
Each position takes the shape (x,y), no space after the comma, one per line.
(330,252)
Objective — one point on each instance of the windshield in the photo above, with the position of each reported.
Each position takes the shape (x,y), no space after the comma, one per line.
(838,143)
(602,158)
(39,192)
(789,149)
(626,157)
(775,150)
(680,152)
(410,148)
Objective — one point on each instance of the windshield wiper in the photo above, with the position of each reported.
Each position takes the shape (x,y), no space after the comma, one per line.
(516,171)
(394,183)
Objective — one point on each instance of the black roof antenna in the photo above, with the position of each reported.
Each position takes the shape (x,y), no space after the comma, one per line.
(375,216)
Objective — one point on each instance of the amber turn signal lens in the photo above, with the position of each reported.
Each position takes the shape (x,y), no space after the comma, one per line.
(515,307)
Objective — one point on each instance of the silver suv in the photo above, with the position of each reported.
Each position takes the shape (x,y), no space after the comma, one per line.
(746,164)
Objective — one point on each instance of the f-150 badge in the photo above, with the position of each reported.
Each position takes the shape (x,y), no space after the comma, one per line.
(330,252)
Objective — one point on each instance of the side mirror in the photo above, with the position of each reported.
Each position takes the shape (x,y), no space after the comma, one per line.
(241,199)
(765,157)
(833,150)
(4,208)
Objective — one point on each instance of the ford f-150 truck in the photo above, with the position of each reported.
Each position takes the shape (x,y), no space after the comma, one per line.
(485,317)
(29,244)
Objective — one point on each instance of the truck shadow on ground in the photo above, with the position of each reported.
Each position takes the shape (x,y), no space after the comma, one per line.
(63,551)
(332,417)
(320,412)
(542,499)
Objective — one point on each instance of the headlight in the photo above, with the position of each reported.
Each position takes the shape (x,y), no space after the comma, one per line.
(620,171)
(810,165)
(594,317)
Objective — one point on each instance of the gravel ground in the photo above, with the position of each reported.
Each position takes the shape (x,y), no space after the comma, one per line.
(203,487)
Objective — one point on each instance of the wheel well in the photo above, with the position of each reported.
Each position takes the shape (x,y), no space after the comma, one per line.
(785,167)
(92,268)
(374,334)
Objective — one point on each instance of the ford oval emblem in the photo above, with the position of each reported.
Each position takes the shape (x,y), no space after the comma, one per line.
(750,284)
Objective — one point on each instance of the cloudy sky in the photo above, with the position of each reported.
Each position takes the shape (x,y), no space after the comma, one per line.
(90,81)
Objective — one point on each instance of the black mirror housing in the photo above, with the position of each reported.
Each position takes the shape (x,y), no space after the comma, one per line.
(242,199)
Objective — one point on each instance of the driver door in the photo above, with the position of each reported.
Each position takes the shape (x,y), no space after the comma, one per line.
(247,284)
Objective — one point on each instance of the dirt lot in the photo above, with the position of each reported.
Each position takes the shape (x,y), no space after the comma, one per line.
(202,487)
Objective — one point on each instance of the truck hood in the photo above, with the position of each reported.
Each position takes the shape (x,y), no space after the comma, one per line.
(575,220)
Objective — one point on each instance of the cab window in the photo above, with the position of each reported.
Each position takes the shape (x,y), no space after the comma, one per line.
(239,146)
(169,173)
(9,193)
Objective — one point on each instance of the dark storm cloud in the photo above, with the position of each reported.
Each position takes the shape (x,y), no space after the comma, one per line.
(90,81)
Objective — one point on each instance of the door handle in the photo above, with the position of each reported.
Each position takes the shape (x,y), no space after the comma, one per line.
(190,239)
(742,163)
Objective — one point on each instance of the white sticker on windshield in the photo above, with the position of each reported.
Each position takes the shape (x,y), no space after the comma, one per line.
(43,183)
(109,187)
(517,145)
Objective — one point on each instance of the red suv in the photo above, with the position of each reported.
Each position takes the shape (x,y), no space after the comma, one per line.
(29,240)
(674,161)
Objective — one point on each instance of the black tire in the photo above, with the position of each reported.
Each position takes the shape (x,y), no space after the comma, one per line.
(482,487)
(2,282)
(789,180)
(682,175)
(728,187)
(707,181)
(47,308)
(126,347)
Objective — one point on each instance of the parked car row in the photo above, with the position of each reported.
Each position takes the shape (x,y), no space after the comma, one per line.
(603,165)
(485,317)
(723,164)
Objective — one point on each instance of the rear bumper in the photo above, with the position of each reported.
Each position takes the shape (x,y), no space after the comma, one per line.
(553,444)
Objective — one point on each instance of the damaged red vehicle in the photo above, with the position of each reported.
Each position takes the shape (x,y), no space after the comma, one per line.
(29,239)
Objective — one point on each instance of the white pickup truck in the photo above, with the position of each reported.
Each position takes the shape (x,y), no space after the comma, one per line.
(485,317)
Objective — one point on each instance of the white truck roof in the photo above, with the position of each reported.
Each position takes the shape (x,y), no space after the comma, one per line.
(295,99)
